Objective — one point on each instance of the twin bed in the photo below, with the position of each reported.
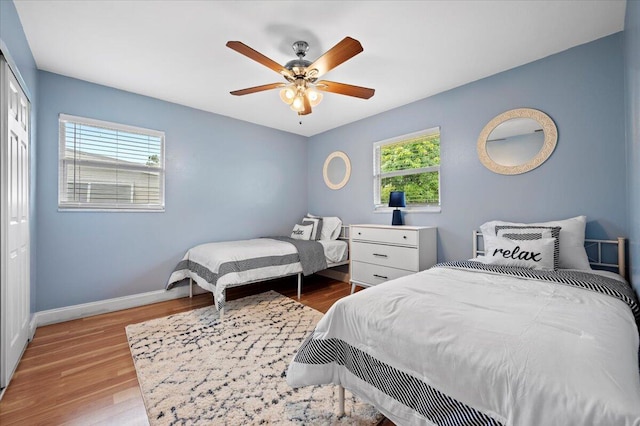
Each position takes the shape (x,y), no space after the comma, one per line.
(215,267)
(490,341)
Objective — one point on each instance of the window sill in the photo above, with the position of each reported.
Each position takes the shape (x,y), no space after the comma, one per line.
(409,210)
(108,210)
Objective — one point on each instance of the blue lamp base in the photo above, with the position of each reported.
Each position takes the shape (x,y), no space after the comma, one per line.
(397,217)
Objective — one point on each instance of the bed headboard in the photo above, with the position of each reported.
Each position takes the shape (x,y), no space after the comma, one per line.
(602,254)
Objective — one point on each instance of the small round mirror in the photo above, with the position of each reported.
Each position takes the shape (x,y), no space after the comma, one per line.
(517,141)
(336,170)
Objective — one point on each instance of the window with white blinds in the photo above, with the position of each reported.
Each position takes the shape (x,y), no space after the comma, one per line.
(109,166)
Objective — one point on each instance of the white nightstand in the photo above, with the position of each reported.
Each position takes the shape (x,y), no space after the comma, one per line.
(382,252)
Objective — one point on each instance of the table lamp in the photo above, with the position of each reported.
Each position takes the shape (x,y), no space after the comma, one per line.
(396,199)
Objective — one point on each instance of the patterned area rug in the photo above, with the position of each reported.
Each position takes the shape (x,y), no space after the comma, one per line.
(194,368)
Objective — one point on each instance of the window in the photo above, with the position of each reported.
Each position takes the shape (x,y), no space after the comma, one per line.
(409,163)
(109,166)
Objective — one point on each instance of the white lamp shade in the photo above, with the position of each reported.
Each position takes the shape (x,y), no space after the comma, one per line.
(287,95)
(298,103)
(314,97)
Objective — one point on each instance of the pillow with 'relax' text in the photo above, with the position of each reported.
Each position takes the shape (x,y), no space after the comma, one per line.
(302,232)
(531,254)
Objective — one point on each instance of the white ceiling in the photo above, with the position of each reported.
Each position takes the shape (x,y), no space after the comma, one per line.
(175,50)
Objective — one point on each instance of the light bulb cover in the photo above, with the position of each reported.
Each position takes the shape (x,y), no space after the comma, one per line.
(287,95)
(314,97)
(298,103)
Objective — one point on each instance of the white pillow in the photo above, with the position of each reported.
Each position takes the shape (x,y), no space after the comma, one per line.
(531,254)
(572,252)
(302,232)
(331,227)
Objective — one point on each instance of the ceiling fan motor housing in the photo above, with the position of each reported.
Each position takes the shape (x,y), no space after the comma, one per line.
(298,66)
(300,47)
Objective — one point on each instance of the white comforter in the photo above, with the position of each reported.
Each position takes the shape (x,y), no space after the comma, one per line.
(518,351)
(255,260)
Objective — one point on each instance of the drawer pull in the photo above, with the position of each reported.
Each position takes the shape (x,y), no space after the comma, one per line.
(381,276)
(380,255)
(404,236)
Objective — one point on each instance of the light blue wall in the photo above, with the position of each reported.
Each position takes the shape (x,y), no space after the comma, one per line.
(225,179)
(632,103)
(581,89)
(14,45)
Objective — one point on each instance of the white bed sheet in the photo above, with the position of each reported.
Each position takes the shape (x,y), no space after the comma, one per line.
(523,352)
(335,251)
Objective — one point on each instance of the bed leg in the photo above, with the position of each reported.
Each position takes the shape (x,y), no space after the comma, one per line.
(353,288)
(340,401)
(299,285)
(622,258)
(190,287)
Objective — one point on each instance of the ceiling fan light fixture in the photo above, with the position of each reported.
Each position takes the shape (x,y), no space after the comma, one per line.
(287,95)
(314,97)
(298,103)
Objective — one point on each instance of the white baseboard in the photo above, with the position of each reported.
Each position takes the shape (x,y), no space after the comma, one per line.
(33,324)
(68,313)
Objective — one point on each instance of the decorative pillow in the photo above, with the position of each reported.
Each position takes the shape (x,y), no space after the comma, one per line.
(331,226)
(317,226)
(528,233)
(572,252)
(531,254)
(302,232)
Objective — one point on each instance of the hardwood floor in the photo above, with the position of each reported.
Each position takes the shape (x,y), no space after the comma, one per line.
(81,373)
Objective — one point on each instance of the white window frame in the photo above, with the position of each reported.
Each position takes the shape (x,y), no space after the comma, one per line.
(381,206)
(87,206)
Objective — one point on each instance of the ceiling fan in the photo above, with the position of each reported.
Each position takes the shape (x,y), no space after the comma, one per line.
(302,89)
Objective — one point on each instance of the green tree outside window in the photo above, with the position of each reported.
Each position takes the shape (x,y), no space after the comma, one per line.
(411,165)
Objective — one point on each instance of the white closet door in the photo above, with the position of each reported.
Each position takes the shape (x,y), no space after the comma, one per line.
(14,234)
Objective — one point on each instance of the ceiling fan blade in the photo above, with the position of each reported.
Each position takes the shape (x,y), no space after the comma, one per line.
(341,52)
(307,107)
(262,88)
(250,53)
(345,89)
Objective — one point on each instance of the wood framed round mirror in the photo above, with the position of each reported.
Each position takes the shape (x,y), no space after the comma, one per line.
(336,170)
(517,141)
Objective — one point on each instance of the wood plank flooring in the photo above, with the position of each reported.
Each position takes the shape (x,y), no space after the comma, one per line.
(81,373)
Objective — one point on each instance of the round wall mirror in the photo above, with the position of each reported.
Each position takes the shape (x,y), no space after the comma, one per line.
(336,170)
(517,141)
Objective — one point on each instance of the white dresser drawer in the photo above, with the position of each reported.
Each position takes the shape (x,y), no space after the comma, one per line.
(367,273)
(385,235)
(385,255)
(381,252)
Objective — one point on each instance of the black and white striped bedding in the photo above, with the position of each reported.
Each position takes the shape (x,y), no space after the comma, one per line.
(471,344)
(592,281)
(217,266)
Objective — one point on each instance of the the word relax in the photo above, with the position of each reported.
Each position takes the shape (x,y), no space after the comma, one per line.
(517,254)
(298,232)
